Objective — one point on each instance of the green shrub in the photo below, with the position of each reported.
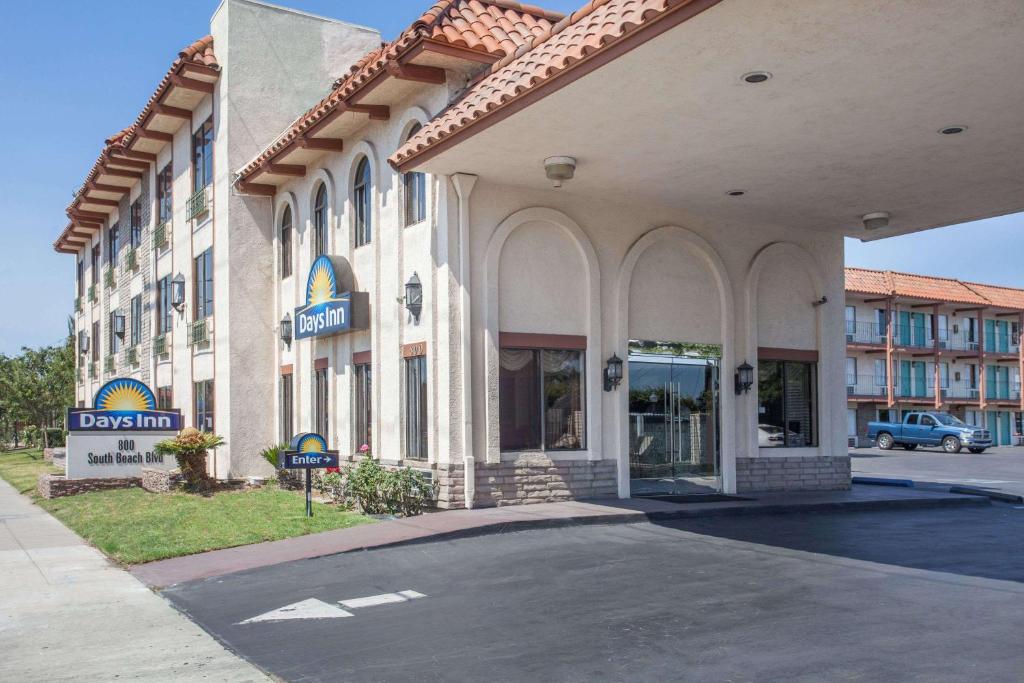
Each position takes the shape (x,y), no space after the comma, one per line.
(55,437)
(31,435)
(271,453)
(335,485)
(189,449)
(378,490)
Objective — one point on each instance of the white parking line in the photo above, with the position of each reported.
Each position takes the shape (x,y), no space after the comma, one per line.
(382,599)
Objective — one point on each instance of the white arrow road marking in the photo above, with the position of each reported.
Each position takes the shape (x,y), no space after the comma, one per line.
(382,599)
(307,609)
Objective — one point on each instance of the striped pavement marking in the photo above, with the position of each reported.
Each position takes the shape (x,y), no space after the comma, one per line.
(318,609)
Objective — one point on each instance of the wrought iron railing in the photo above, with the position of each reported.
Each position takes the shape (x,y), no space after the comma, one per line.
(108,364)
(198,204)
(131,356)
(78,304)
(131,259)
(108,277)
(92,369)
(199,331)
(160,345)
(92,294)
(162,235)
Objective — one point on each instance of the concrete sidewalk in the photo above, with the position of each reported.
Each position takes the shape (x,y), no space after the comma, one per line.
(69,614)
(455,523)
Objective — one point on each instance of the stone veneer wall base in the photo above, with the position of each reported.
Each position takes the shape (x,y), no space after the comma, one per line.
(793,473)
(58,486)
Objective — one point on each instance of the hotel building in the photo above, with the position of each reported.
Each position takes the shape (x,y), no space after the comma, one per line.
(554,256)
(917,342)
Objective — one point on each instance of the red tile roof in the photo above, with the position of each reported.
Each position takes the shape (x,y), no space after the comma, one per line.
(201,53)
(493,27)
(593,28)
(931,288)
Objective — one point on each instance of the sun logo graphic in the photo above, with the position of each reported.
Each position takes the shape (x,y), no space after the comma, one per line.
(312,443)
(322,285)
(124,395)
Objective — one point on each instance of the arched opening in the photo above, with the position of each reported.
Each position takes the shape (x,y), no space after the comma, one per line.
(362,197)
(320,229)
(285,238)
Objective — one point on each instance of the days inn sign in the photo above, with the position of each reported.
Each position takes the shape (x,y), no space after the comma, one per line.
(326,311)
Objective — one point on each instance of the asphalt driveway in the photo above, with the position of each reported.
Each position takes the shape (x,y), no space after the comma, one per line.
(931,595)
(1000,468)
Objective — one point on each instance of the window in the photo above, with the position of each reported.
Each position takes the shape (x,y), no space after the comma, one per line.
(163,305)
(287,409)
(912,419)
(415,186)
(320,222)
(286,242)
(320,402)
(96,264)
(362,429)
(881,322)
(135,235)
(928,421)
(540,392)
(113,341)
(416,408)
(881,373)
(203,301)
(136,322)
(95,343)
(362,192)
(786,399)
(202,156)
(851,320)
(851,372)
(80,277)
(944,376)
(164,398)
(202,400)
(113,244)
(164,196)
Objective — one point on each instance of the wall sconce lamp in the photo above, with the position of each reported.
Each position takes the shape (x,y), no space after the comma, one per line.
(612,372)
(820,302)
(744,378)
(83,342)
(119,325)
(178,291)
(286,330)
(414,296)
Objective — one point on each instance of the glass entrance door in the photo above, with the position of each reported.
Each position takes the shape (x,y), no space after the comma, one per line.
(673,424)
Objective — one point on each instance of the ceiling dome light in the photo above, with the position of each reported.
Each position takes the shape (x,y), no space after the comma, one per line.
(736,193)
(953,130)
(559,169)
(756,76)
(876,220)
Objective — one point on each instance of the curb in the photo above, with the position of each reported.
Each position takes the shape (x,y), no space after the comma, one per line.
(993,495)
(881,481)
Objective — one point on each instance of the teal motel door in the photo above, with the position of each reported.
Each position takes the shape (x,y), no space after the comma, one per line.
(998,422)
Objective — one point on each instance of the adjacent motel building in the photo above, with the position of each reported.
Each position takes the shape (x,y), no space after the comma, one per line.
(917,342)
(555,256)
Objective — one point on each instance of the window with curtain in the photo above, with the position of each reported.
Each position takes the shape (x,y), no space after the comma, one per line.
(286,242)
(287,408)
(787,402)
(80,277)
(202,156)
(203,302)
(362,429)
(202,395)
(163,305)
(414,186)
(113,341)
(320,398)
(136,321)
(164,195)
(95,264)
(416,408)
(136,224)
(320,221)
(113,244)
(540,395)
(362,194)
(94,344)
(164,398)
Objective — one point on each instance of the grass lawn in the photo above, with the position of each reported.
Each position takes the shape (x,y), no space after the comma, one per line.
(135,526)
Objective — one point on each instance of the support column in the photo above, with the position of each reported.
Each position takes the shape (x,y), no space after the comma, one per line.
(464,184)
(889,354)
(1020,357)
(937,375)
(982,381)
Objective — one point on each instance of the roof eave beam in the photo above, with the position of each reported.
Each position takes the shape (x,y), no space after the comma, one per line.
(192,84)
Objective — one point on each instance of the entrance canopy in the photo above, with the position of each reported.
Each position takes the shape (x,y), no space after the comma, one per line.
(651,99)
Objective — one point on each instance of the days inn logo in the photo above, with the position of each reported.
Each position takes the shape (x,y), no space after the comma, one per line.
(123,404)
(327,311)
(308,451)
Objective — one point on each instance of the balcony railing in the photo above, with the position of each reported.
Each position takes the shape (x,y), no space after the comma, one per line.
(78,304)
(78,374)
(131,356)
(161,346)
(131,259)
(92,294)
(199,331)
(865,385)
(92,370)
(162,235)
(198,204)
(864,333)
(108,277)
(108,364)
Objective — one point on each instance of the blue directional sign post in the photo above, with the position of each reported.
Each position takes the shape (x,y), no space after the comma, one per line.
(308,452)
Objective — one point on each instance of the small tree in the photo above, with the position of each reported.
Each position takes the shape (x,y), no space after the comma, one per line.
(189,448)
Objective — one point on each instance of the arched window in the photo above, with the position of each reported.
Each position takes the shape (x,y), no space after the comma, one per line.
(320,222)
(286,242)
(362,191)
(415,186)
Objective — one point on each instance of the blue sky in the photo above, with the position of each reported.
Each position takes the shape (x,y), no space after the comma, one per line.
(75,72)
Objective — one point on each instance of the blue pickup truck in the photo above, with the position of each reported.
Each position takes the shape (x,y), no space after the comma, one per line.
(929,429)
